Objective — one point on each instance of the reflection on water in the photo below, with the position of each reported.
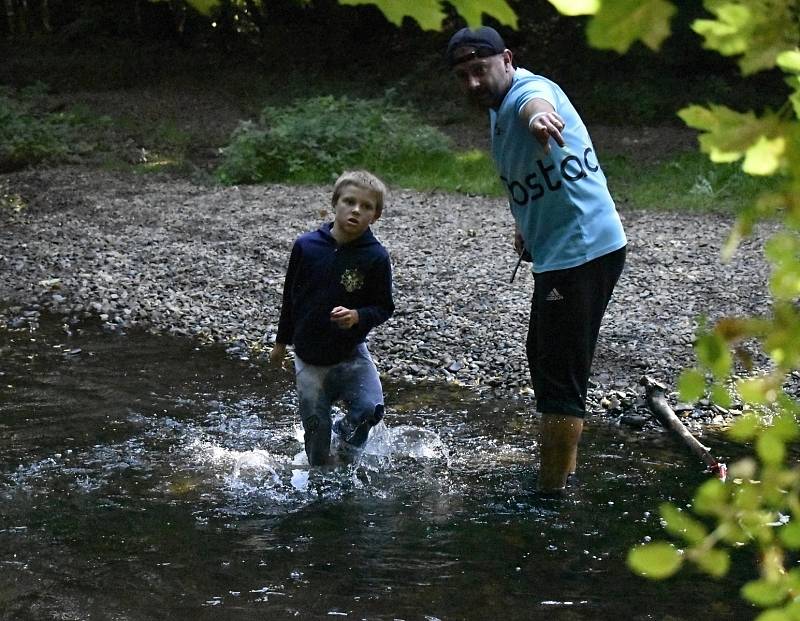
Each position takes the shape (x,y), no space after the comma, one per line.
(142,478)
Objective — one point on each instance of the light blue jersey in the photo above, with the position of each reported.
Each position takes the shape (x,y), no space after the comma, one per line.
(560,201)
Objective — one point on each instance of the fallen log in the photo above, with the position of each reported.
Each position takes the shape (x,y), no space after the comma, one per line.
(661,410)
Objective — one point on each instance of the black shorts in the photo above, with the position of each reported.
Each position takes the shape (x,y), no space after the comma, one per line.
(566,311)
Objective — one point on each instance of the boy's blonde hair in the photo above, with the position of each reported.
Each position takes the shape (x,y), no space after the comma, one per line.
(362,179)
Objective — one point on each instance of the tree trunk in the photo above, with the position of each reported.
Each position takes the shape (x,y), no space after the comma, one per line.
(23,18)
(44,7)
(179,16)
(259,18)
(137,16)
(11,18)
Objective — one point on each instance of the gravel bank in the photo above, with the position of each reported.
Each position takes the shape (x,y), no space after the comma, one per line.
(208,262)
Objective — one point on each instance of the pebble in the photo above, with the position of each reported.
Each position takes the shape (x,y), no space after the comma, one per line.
(207,262)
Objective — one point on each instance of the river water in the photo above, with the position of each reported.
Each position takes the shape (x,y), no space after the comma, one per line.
(143,477)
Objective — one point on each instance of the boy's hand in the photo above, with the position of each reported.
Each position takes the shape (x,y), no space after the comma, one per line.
(277,357)
(343,317)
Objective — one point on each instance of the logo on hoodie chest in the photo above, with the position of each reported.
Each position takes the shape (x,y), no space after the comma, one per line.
(352,280)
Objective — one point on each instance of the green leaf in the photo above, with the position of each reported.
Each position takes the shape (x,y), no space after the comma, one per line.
(757,31)
(714,562)
(744,428)
(774,615)
(691,385)
(472,10)
(204,7)
(765,156)
(721,396)
(729,135)
(753,390)
(728,33)
(770,448)
(576,7)
(764,593)
(783,250)
(679,524)
(789,535)
(710,496)
(713,352)
(789,61)
(794,98)
(655,560)
(618,24)
(785,427)
(793,580)
(427,13)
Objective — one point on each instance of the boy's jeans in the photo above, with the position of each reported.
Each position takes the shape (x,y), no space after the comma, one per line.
(355,381)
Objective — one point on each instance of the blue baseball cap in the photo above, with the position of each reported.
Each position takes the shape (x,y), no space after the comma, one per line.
(484,41)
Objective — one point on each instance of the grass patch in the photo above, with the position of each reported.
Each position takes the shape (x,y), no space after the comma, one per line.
(466,172)
(687,182)
(167,145)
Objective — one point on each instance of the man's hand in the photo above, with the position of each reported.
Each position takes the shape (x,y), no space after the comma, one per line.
(544,125)
(519,243)
(343,317)
(277,357)
(519,246)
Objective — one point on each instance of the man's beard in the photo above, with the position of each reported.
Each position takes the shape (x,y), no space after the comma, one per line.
(483,99)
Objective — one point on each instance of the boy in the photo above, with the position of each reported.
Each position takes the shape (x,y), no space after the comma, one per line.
(338,287)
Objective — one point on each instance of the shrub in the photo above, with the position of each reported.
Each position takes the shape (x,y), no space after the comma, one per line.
(30,133)
(28,136)
(313,140)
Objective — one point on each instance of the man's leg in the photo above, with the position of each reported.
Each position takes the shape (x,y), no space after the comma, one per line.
(566,312)
(558,450)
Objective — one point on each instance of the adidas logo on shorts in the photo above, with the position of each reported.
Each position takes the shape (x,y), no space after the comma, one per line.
(554,296)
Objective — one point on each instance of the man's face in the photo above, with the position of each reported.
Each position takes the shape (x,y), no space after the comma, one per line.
(485,80)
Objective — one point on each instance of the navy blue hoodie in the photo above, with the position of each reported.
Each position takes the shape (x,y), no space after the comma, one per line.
(322,275)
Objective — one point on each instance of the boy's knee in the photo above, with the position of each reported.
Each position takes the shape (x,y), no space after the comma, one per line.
(377,415)
(355,430)
(315,424)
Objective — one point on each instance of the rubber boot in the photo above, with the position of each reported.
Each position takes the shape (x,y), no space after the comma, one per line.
(558,451)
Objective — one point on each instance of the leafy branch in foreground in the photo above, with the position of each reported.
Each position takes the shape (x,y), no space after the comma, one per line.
(759,505)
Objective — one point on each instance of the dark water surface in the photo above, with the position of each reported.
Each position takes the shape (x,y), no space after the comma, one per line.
(143,478)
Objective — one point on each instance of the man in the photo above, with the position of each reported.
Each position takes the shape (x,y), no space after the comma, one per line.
(564,217)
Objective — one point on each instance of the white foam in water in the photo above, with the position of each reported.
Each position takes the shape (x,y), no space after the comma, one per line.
(300,479)
(272,474)
(257,465)
(404,440)
(383,441)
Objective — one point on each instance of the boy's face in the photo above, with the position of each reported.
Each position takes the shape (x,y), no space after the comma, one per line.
(354,211)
